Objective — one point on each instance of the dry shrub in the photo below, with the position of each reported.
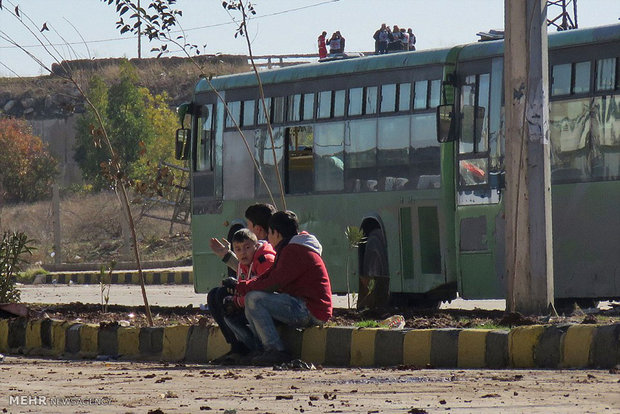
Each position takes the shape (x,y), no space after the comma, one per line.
(91,230)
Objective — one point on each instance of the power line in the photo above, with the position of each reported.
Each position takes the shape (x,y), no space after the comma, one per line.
(115,39)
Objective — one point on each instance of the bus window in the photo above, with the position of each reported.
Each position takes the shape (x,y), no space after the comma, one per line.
(393,141)
(265,159)
(569,126)
(294,108)
(425,161)
(388,98)
(361,156)
(339,103)
(606,137)
(473,171)
(262,117)
(328,157)
(278,109)
(468,102)
(370,101)
(204,146)
(308,111)
(420,94)
(393,152)
(605,74)
(435,90)
(496,117)
(482,136)
(404,97)
(561,77)
(324,104)
(356,98)
(232,116)
(300,163)
(248,113)
(582,77)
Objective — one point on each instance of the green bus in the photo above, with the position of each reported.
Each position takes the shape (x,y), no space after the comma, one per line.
(356,144)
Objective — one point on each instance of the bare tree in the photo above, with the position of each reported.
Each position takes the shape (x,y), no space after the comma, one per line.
(113,168)
(158,19)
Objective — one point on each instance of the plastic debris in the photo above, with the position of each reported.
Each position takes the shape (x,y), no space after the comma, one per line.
(393,322)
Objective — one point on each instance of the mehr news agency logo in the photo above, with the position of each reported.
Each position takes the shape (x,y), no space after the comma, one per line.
(42,400)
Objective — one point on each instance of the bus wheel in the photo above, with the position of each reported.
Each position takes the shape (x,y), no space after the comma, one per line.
(374,280)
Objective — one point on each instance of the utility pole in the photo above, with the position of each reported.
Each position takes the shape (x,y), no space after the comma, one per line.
(529,248)
(563,21)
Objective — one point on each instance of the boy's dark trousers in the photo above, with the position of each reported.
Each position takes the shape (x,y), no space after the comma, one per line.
(215,300)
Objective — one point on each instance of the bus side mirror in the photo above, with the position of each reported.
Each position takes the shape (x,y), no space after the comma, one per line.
(182,144)
(445,124)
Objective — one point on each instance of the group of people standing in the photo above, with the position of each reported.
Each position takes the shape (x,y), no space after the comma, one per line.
(281,279)
(394,40)
(335,43)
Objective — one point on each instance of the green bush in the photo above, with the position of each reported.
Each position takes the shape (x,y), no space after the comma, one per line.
(12,249)
(28,276)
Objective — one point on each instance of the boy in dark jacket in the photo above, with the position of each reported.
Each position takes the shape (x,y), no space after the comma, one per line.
(295,291)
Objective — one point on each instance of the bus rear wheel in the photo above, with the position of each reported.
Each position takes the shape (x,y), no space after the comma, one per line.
(374,280)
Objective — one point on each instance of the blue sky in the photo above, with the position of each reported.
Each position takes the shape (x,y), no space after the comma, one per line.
(280,26)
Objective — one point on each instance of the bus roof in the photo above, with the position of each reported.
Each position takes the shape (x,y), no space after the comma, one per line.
(398,60)
(333,68)
(557,40)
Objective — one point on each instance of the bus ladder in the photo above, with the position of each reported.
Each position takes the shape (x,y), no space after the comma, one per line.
(180,202)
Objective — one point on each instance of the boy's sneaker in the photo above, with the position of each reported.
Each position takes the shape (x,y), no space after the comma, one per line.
(272,357)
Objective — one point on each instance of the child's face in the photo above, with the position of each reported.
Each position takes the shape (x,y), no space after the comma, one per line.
(245,251)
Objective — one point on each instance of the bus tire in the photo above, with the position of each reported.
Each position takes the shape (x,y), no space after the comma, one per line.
(374,281)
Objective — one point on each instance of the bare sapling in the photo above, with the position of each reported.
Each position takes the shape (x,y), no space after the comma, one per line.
(113,168)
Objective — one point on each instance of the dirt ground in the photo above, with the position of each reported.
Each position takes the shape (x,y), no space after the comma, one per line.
(39,385)
(418,319)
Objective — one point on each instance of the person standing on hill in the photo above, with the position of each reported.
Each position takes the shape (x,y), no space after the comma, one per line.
(411,39)
(381,40)
(322,47)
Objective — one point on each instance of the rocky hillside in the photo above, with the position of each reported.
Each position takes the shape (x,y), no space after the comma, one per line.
(51,96)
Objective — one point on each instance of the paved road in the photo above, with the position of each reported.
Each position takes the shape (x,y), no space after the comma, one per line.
(171,295)
(139,387)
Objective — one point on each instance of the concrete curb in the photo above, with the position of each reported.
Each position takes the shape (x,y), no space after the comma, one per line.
(125,278)
(538,346)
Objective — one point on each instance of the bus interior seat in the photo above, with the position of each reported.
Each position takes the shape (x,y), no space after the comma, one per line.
(429,181)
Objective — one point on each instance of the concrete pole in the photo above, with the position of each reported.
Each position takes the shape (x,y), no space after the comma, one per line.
(529,248)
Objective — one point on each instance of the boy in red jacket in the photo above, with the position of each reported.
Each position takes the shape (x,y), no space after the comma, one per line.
(255,258)
(295,291)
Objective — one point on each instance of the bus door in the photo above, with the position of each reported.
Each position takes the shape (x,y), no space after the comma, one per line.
(206,185)
(422,224)
(204,143)
(479,175)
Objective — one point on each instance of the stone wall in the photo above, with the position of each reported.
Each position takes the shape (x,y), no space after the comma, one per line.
(59,134)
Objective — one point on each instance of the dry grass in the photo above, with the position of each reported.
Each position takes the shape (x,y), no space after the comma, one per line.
(91,230)
(176,76)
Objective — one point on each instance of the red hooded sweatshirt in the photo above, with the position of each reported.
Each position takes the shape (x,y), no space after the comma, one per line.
(262,261)
(298,271)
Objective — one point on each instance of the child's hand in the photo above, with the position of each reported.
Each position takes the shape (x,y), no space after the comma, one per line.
(220,248)
(230,306)
(230,284)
